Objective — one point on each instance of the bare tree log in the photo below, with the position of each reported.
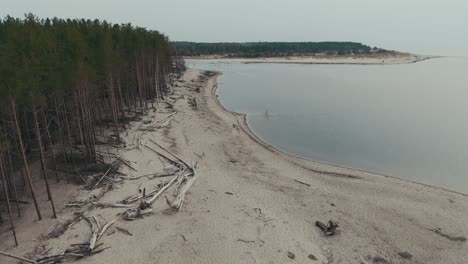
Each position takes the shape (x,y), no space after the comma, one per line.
(105,227)
(126,163)
(94,231)
(175,163)
(152,199)
(179,159)
(179,201)
(17,257)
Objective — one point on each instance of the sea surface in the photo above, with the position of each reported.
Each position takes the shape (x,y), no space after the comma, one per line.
(408,120)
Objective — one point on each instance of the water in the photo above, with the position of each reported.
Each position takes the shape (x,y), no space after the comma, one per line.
(409,121)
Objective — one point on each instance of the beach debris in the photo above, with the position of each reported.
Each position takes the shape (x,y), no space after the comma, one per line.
(291,255)
(169,105)
(449,237)
(169,171)
(378,259)
(60,228)
(16,257)
(229,193)
(192,101)
(77,251)
(405,255)
(312,257)
(185,176)
(301,182)
(134,213)
(330,229)
(160,123)
(185,183)
(126,164)
(123,230)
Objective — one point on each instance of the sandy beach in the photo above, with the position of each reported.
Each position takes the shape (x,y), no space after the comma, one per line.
(250,202)
(377,59)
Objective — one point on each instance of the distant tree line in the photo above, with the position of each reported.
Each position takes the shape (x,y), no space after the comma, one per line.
(270,49)
(65,83)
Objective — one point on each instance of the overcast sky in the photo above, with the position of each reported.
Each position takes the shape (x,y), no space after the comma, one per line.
(438,27)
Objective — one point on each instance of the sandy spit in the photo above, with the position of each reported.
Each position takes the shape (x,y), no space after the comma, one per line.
(375,59)
(250,203)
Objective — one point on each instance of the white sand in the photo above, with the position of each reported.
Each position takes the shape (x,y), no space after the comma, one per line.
(246,206)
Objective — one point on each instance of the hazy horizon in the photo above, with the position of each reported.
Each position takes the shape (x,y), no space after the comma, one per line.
(424,27)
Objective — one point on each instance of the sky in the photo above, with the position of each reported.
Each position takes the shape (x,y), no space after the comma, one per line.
(432,27)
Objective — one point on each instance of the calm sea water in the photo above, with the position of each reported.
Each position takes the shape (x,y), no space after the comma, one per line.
(409,121)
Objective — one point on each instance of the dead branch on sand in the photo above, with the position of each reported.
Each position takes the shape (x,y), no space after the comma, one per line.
(330,229)
(192,101)
(61,228)
(301,182)
(179,200)
(17,257)
(78,251)
(165,173)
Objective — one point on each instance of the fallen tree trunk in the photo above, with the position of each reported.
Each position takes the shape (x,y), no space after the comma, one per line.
(169,184)
(179,200)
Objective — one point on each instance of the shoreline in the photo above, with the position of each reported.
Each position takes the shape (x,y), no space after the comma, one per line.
(250,203)
(375,59)
(242,123)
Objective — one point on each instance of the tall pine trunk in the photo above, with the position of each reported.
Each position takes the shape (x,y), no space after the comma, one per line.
(25,161)
(43,162)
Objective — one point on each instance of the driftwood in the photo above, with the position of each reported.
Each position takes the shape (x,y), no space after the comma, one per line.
(61,228)
(15,201)
(139,196)
(330,229)
(193,103)
(301,182)
(102,177)
(16,257)
(144,207)
(76,251)
(111,205)
(126,163)
(123,230)
(159,124)
(179,200)
(165,173)
(105,227)
(167,117)
(169,105)
(154,197)
(163,156)
(163,148)
(97,230)
(134,213)
(94,231)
